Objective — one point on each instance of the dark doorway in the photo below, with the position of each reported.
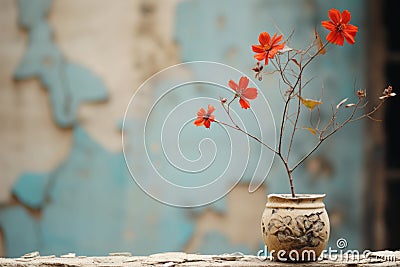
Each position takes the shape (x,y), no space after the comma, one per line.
(392,124)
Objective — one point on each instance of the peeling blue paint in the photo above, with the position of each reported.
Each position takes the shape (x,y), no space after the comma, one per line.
(20,231)
(92,208)
(30,188)
(69,84)
(30,14)
(89,203)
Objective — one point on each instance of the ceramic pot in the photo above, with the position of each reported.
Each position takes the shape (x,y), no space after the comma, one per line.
(295,228)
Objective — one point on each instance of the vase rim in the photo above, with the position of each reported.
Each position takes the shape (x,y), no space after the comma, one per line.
(298,196)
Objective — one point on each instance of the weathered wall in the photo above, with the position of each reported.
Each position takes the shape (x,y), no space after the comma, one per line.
(64,183)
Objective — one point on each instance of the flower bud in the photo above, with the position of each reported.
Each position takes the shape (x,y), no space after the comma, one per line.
(361,93)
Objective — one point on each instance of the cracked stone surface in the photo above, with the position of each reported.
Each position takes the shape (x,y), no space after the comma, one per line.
(379,258)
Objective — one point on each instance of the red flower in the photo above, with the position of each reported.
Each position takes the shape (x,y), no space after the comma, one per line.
(268,46)
(339,27)
(243,91)
(205,118)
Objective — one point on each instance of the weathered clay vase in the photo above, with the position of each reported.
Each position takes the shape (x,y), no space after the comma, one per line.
(295,228)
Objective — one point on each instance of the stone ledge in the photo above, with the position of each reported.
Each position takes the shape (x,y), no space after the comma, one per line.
(381,258)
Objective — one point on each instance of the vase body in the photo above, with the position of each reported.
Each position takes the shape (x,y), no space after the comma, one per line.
(295,228)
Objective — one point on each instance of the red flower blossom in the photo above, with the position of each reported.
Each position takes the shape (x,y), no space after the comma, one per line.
(243,91)
(268,46)
(205,118)
(339,27)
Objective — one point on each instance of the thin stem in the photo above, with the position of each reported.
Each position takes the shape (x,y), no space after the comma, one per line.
(235,127)
(286,108)
(334,130)
(368,115)
(299,83)
(289,173)
(284,115)
(297,118)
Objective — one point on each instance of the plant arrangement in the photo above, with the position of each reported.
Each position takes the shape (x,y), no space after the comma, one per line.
(275,57)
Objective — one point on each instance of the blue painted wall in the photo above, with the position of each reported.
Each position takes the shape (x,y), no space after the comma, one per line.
(224,32)
(90,205)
